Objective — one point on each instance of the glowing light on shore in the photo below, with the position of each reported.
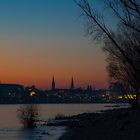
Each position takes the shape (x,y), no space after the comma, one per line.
(32,93)
(130,96)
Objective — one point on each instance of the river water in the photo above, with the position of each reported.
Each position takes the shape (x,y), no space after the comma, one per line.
(11,129)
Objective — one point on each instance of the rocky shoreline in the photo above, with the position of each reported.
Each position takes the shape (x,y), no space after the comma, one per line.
(116,124)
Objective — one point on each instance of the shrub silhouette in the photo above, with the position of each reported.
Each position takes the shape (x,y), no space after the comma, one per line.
(28,115)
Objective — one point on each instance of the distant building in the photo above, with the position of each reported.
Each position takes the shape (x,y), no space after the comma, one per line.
(72,83)
(53,84)
(11,90)
(89,89)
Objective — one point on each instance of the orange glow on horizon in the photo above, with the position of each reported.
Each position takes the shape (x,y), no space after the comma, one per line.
(60,82)
(25,63)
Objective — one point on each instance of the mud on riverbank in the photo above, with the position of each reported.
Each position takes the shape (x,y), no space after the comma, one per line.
(117,124)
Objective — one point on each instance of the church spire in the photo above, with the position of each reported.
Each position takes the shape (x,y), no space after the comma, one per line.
(53,83)
(72,83)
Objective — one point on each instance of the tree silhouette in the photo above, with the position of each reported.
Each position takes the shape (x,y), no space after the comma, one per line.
(122,45)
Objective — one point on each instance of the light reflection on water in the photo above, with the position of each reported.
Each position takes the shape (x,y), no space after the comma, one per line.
(8,113)
(10,128)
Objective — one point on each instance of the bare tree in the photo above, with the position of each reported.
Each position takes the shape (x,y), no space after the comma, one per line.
(122,46)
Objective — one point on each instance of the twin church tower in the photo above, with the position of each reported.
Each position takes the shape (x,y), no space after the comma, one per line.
(54,85)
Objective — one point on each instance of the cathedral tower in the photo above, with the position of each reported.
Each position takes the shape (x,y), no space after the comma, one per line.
(72,83)
(53,83)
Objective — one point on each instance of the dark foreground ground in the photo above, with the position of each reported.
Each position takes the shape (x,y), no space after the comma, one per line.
(118,124)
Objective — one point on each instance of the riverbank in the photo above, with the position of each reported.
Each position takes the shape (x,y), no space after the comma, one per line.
(117,124)
(10,127)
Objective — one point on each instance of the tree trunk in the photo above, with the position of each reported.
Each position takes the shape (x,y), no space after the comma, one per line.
(136,102)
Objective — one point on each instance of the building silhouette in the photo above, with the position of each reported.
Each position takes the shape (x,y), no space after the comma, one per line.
(53,83)
(10,90)
(72,83)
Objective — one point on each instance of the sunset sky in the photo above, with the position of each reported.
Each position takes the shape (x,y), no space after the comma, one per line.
(42,38)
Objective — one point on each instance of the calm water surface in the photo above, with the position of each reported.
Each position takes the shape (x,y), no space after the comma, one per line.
(10,128)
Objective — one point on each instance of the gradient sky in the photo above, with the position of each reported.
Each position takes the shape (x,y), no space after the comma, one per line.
(42,38)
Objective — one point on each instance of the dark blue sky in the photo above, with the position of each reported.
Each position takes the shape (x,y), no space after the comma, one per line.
(39,17)
(42,38)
